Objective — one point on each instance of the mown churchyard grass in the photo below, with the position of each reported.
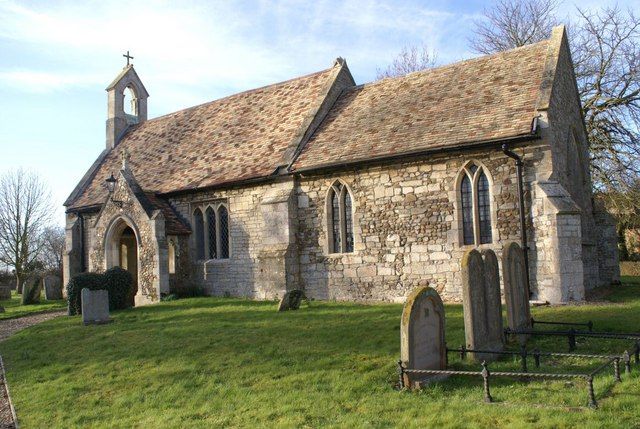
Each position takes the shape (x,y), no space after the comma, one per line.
(14,308)
(209,362)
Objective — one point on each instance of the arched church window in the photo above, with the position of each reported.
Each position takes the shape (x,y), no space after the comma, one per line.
(223,215)
(198,223)
(466,199)
(212,248)
(475,205)
(340,219)
(484,209)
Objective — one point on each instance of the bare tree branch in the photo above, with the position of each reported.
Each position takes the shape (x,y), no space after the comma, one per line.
(409,60)
(605,47)
(513,23)
(25,210)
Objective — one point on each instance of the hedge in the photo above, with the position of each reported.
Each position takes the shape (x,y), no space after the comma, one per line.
(116,281)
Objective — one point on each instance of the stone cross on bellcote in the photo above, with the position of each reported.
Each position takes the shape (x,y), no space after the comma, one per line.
(128,57)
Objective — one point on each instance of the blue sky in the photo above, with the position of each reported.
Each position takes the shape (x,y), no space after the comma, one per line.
(57,57)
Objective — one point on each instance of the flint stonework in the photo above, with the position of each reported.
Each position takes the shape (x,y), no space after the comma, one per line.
(422,343)
(516,293)
(52,286)
(95,307)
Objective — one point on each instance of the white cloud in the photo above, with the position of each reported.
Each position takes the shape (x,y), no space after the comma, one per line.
(215,44)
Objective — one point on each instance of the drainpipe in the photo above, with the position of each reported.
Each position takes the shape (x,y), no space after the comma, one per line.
(523,228)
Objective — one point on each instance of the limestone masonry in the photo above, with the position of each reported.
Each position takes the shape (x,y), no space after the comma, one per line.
(345,191)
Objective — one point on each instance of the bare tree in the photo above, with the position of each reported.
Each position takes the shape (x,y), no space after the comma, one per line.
(25,210)
(409,60)
(53,248)
(605,49)
(513,23)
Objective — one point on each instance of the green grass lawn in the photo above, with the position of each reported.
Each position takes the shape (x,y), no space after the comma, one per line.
(13,307)
(211,362)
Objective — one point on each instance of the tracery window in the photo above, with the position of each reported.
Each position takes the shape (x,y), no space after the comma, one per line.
(475,205)
(340,219)
(211,231)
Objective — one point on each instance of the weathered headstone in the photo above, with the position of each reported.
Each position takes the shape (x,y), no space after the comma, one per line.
(474,301)
(291,300)
(516,292)
(493,300)
(5,292)
(422,343)
(31,289)
(52,286)
(95,306)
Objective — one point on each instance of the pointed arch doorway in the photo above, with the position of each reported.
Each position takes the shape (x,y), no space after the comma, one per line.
(122,246)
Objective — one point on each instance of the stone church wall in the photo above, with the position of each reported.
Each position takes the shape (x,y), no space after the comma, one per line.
(570,150)
(249,271)
(406,232)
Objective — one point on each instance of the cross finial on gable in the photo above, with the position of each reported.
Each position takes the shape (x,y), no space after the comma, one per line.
(128,57)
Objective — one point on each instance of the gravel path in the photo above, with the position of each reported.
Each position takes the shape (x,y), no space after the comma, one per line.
(7,328)
(11,326)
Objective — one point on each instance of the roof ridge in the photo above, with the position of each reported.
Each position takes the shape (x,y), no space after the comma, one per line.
(237,94)
(450,65)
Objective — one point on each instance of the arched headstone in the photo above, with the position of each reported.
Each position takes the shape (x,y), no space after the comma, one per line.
(474,300)
(422,343)
(516,292)
(495,338)
(481,303)
(52,287)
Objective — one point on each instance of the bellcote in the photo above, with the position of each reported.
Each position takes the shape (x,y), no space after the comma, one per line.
(127,104)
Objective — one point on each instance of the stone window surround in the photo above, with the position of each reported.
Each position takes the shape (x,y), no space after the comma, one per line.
(172,252)
(459,233)
(215,206)
(328,220)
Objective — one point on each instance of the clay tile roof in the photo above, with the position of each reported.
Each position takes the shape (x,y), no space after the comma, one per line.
(239,137)
(481,99)
(173,224)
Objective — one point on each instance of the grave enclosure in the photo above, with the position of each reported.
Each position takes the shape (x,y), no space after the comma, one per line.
(424,352)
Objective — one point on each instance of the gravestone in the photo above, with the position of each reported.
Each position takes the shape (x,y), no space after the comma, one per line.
(5,292)
(95,306)
(52,287)
(481,303)
(493,300)
(422,343)
(516,292)
(291,300)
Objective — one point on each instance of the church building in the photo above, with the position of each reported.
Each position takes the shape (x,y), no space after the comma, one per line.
(349,192)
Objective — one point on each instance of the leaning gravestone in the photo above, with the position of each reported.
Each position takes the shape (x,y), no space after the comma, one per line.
(52,287)
(516,292)
(291,300)
(95,306)
(480,288)
(422,343)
